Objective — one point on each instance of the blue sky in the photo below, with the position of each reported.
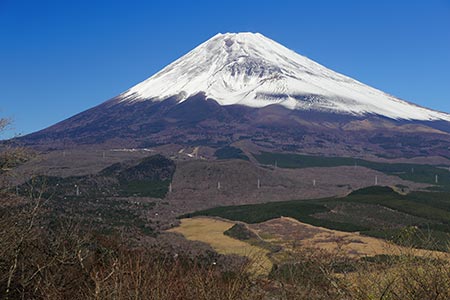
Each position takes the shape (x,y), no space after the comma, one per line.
(59,58)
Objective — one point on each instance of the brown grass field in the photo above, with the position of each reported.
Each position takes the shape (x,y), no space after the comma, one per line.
(293,236)
(210,231)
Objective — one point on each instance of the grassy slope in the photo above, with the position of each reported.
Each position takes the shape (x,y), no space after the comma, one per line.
(211,231)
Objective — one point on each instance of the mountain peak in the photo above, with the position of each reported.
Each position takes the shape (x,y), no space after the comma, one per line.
(240,34)
(252,70)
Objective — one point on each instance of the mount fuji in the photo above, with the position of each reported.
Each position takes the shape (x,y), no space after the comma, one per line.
(246,89)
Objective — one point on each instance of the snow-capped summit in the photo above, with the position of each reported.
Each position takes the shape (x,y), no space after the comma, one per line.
(252,70)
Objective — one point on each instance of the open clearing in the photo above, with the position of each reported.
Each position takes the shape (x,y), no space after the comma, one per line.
(291,234)
(210,231)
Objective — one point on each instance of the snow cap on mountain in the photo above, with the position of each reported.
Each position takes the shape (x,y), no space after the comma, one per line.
(252,70)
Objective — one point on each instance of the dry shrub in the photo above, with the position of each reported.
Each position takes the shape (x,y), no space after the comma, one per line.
(312,274)
(404,276)
(408,274)
(153,275)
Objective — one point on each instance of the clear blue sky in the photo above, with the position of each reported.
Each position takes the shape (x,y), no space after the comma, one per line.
(59,57)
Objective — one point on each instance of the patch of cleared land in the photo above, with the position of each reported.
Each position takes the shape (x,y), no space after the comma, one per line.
(291,234)
(210,231)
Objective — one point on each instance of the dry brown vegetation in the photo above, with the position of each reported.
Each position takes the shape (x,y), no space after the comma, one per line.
(211,231)
(293,234)
(59,259)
